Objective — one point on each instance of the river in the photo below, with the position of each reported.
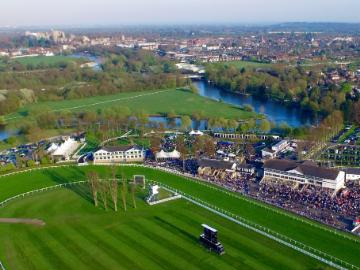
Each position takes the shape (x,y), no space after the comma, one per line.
(274,111)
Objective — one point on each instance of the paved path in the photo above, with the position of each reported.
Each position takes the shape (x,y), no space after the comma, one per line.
(36,222)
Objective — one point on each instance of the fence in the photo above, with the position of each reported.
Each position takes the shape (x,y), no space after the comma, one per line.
(206,183)
(309,251)
(314,253)
(2,267)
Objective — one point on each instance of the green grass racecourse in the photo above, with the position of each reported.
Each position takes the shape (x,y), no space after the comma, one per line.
(152,102)
(79,236)
(343,246)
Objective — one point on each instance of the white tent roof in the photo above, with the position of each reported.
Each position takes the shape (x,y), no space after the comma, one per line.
(168,155)
(196,132)
(52,148)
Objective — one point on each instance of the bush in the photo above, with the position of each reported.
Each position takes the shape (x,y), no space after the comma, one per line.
(8,167)
(30,163)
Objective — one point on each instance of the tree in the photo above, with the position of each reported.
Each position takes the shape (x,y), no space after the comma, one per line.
(123,193)
(103,191)
(2,121)
(265,126)
(194,89)
(185,122)
(113,188)
(93,180)
(133,189)
(155,144)
(181,147)
(209,147)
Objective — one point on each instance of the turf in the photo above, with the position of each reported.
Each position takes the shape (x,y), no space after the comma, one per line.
(243,64)
(182,102)
(304,231)
(79,236)
(47,60)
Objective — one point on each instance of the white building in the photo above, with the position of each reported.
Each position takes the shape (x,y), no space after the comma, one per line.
(275,149)
(352,174)
(65,150)
(303,173)
(118,154)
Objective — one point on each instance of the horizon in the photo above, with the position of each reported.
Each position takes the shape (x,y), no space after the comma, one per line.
(109,13)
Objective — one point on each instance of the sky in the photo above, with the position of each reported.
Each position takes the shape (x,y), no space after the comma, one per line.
(130,12)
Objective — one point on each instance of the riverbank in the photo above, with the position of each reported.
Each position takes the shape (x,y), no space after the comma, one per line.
(153,102)
(274,110)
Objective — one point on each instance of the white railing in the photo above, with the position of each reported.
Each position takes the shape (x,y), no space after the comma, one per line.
(216,186)
(307,250)
(165,200)
(2,267)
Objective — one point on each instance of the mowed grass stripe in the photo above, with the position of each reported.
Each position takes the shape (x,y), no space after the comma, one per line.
(121,255)
(133,252)
(48,254)
(92,248)
(174,241)
(20,256)
(223,262)
(259,251)
(236,256)
(145,249)
(312,236)
(82,253)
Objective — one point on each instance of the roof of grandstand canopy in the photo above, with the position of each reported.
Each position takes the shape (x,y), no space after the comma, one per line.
(217,164)
(352,171)
(120,148)
(305,168)
(165,155)
(245,165)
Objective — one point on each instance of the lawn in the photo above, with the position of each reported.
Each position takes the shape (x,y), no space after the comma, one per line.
(244,64)
(47,60)
(79,236)
(307,232)
(182,102)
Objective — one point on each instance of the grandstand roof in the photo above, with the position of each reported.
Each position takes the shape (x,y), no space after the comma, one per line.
(216,164)
(304,168)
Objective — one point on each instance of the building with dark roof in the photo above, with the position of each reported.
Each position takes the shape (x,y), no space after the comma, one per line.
(304,172)
(216,164)
(119,154)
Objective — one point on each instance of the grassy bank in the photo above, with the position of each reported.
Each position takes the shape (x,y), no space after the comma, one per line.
(182,102)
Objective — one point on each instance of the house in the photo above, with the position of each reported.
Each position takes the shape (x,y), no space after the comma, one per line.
(303,173)
(119,154)
(275,149)
(268,153)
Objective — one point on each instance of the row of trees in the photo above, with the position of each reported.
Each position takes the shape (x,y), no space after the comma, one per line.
(123,71)
(308,89)
(102,190)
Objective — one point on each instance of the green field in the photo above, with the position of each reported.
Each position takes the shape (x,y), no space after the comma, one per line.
(79,236)
(152,102)
(47,60)
(343,246)
(243,64)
